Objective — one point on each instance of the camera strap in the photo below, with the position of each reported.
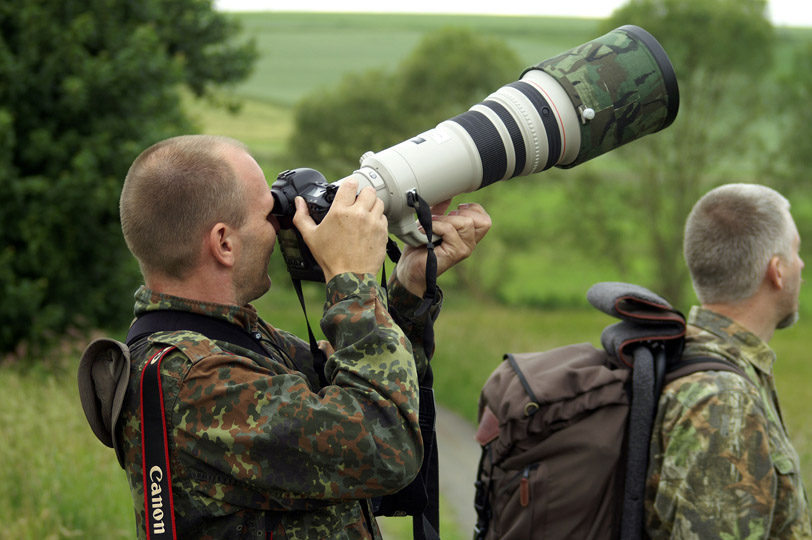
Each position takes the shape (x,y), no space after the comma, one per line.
(159,515)
(319,358)
(423,211)
(159,508)
(425,526)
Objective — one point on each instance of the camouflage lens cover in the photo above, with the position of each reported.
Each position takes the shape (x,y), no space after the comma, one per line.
(626,79)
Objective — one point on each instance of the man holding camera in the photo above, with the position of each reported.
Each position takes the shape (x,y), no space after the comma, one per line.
(721,462)
(257,448)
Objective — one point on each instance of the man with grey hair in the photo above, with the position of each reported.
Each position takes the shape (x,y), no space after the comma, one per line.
(721,462)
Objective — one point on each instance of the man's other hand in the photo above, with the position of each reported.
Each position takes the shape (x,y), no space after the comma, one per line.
(461,231)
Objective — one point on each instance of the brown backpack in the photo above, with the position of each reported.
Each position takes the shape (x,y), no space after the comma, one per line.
(565,432)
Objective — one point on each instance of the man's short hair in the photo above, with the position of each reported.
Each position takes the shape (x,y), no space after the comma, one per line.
(730,236)
(174,192)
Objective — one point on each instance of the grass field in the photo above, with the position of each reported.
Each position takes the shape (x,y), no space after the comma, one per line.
(60,482)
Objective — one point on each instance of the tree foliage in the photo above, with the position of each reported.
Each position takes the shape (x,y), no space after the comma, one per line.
(794,99)
(449,71)
(788,159)
(87,85)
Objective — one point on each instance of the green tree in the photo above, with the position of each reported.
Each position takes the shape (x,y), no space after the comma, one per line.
(449,71)
(333,128)
(720,50)
(86,86)
(788,160)
(794,98)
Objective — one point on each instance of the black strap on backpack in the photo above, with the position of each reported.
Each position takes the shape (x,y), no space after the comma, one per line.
(164,320)
(641,416)
(693,364)
(651,373)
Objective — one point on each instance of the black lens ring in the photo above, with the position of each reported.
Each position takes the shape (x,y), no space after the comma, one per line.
(547,117)
(666,69)
(488,143)
(519,150)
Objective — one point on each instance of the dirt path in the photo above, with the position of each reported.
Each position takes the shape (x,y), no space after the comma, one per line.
(459,458)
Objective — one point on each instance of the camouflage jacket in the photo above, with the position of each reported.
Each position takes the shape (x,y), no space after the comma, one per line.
(257,450)
(721,463)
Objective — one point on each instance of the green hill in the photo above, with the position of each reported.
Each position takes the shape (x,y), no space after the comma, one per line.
(302,52)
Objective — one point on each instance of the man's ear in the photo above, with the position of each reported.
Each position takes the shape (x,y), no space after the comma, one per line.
(775,272)
(221,244)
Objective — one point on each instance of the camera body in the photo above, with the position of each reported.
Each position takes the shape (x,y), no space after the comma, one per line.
(318,194)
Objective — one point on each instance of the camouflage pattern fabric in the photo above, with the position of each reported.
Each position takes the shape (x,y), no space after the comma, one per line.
(256,447)
(721,463)
(635,102)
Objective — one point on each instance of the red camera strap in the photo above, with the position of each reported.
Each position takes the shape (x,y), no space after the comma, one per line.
(159,510)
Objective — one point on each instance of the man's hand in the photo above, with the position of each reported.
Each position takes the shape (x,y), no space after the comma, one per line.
(351,237)
(461,230)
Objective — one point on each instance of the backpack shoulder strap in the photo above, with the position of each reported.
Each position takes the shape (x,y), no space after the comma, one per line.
(164,320)
(641,416)
(687,366)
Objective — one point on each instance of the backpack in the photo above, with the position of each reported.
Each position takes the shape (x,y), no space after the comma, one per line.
(565,433)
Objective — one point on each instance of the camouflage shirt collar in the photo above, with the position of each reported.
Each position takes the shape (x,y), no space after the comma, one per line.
(149,300)
(752,347)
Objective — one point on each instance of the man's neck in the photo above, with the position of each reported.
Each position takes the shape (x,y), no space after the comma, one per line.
(194,288)
(749,314)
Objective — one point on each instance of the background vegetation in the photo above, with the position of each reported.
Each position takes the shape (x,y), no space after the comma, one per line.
(554,234)
(79,81)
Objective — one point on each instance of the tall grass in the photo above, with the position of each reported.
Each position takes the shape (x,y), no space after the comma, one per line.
(57,480)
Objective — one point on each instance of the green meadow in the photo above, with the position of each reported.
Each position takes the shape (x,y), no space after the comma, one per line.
(60,482)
